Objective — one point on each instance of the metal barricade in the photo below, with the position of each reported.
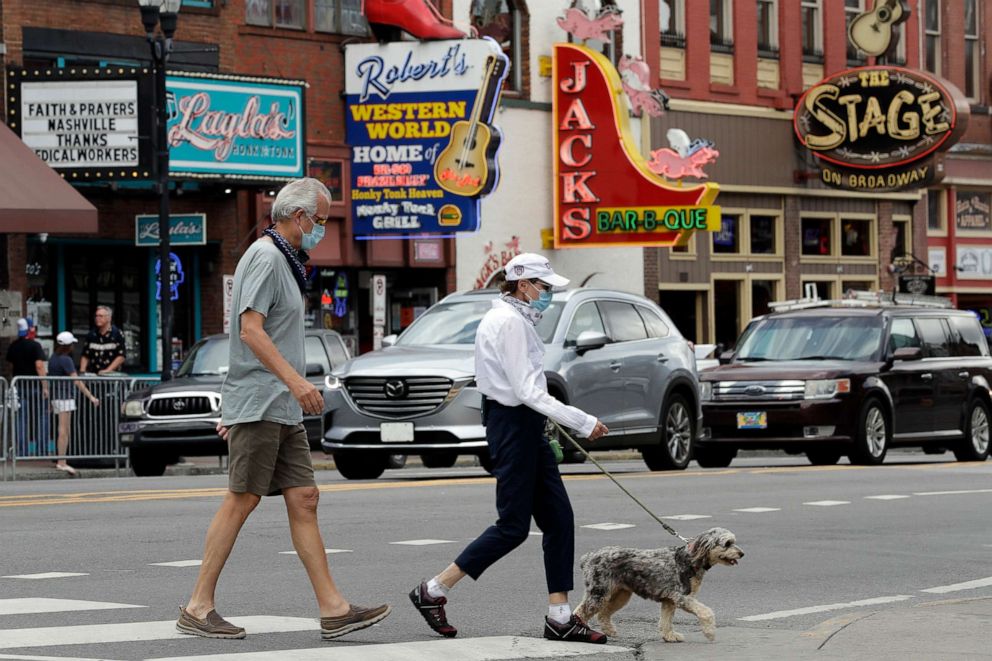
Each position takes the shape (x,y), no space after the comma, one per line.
(53,419)
(5,413)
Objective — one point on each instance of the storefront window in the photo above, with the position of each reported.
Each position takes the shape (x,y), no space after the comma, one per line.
(290,13)
(821,289)
(727,240)
(339,16)
(855,238)
(901,244)
(817,236)
(763,235)
(935,216)
(331,305)
(972,211)
(258,12)
(855,285)
(762,293)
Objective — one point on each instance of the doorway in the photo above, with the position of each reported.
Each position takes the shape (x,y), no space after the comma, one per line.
(727,311)
(685,308)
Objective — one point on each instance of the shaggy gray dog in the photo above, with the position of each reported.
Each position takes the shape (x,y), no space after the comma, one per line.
(670,576)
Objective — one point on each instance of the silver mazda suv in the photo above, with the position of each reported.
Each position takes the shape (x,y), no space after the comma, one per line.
(615,355)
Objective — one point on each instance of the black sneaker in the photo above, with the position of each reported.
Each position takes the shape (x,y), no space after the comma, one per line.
(575,631)
(432,608)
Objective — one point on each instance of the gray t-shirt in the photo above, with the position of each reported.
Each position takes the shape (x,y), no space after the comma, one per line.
(264,283)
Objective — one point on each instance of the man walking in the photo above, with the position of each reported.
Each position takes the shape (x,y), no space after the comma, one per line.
(27,357)
(264,397)
(103,350)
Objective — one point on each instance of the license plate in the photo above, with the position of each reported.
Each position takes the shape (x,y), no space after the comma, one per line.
(396,432)
(752,420)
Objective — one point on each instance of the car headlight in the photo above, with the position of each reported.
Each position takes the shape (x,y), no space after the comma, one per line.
(134,408)
(827,388)
(705,391)
(332,382)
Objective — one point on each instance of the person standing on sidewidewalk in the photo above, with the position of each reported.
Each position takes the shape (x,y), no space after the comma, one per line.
(264,398)
(104,348)
(27,358)
(509,371)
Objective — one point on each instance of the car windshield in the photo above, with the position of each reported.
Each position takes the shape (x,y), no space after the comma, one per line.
(207,358)
(811,338)
(457,321)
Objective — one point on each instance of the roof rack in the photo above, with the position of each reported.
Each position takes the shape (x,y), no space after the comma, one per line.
(863,299)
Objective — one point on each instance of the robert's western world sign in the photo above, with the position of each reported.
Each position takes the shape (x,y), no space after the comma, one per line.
(419,123)
(878,128)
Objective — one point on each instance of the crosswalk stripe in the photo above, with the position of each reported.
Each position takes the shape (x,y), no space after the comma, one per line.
(759,510)
(28,605)
(138,631)
(422,542)
(177,563)
(495,648)
(47,574)
(326,551)
(22,657)
(609,526)
(827,503)
(957,587)
(687,517)
(826,607)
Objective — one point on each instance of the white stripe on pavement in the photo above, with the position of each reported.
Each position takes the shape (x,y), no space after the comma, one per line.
(759,510)
(887,496)
(827,503)
(47,574)
(957,587)
(87,634)
(326,551)
(687,517)
(827,607)
(950,493)
(608,526)
(177,563)
(22,657)
(41,605)
(495,648)
(423,542)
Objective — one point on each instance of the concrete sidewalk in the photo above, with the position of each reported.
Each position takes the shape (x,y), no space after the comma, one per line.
(945,629)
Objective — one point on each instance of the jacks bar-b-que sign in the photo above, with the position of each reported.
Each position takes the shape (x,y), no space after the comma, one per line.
(878,128)
(605,195)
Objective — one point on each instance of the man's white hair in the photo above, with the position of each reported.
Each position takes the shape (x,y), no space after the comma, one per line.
(299,194)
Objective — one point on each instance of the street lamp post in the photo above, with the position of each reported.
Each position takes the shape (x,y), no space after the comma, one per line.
(163,13)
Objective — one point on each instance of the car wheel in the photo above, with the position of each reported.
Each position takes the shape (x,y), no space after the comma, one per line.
(714,457)
(396,461)
(975,446)
(823,456)
(360,465)
(677,432)
(873,435)
(439,460)
(147,464)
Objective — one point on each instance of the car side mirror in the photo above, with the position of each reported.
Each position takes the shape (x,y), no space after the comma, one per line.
(589,340)
(726,357)
(907,353)
(389,340)
(315,369)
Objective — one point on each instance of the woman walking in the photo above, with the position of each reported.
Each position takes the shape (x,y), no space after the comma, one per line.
(63,400)
(509,370)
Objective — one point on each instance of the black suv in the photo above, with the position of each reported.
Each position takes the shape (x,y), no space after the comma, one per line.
(851,377)
(179,417)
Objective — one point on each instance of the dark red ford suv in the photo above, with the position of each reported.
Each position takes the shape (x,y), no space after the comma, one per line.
(850,378)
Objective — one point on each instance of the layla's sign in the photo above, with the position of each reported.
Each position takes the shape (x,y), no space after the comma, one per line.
(605,195)
(874,128)
(185,229)
(231,127)
(418,121)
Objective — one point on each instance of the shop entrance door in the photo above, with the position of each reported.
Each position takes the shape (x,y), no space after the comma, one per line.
(727,311)
(685,307)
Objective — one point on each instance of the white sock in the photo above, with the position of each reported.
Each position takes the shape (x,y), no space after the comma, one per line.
(560,613)
(436,588)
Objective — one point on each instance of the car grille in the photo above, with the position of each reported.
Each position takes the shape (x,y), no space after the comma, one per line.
(398,397)
(179,406)
(759,390)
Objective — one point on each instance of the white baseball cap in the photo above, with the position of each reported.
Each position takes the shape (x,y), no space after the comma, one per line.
(22,327)
(531,266)
(65,338)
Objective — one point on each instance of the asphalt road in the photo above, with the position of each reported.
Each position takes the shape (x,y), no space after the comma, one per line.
(818,541)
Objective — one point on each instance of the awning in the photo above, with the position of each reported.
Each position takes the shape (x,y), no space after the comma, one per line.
(34,198)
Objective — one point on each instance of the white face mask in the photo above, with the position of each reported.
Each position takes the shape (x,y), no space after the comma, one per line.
(542,302)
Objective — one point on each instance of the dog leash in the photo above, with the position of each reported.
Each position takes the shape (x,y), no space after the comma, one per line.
(607,473)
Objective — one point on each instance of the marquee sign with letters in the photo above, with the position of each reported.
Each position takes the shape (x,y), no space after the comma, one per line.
(878,128)
(605,192)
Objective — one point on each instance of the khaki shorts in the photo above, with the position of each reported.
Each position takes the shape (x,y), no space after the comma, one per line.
(267,457)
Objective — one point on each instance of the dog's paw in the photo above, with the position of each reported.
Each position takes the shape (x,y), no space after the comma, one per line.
(609,629)
(710,634)
(673,637)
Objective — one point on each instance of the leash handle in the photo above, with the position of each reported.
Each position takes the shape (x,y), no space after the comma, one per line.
(607,473)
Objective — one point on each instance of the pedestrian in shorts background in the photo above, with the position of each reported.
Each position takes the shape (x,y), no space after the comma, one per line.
(63,398)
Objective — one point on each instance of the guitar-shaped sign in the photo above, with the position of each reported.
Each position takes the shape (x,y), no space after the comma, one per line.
(467,166)
(871,31)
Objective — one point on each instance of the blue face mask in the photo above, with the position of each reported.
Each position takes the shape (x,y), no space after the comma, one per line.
(543,302)
(315,236)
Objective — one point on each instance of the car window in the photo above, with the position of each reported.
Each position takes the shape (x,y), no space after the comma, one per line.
(456,323)
(903,335)
(206,358)
(811,338)
(625,325)
(934,333)
(586,319)
(656,327)
(970,339)
(339,352)
(315,353)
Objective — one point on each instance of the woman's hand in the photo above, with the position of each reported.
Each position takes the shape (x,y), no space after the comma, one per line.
(599,431)
(94,400)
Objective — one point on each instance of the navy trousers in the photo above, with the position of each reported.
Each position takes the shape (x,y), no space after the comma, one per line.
(528,484)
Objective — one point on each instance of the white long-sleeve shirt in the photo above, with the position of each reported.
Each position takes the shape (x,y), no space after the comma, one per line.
(509,368)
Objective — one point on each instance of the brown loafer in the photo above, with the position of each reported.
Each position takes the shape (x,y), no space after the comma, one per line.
(356,618)
(212,626)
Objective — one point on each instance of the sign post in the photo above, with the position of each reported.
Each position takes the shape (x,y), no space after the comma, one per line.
(378,310)
(228,296)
